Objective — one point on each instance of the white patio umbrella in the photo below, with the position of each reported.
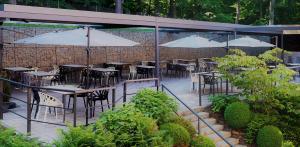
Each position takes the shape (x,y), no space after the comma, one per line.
(247,42)
(79,37)
(193,41)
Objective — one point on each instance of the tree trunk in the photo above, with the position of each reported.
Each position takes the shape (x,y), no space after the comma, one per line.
(172,8)
(238,10)
(13,2)
(272,12)
(118,8)
(157,7)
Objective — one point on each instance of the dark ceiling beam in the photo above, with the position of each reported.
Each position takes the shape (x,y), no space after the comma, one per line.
(41,14)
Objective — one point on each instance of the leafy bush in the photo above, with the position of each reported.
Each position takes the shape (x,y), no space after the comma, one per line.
(85,136)
(184,123)
(9,138)
(156,105)
(258,121)
(180,135)
(130,126)
(287,144)
(220,102)
(269,136)
(202,141)
(237,115)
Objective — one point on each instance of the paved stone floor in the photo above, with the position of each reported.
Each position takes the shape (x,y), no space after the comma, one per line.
(47,132)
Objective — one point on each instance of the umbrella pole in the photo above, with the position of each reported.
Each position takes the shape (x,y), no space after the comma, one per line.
(88,59)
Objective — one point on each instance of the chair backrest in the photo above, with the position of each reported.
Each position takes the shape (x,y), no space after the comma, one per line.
(132,69)
(101,94)
(144,63)
(36,95)
(49,100)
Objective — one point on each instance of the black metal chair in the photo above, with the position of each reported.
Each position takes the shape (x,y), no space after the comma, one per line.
(100,95)
(35,101)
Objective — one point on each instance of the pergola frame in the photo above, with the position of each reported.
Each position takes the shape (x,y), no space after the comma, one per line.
(41,14)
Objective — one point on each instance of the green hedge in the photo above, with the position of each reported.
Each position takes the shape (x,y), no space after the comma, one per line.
(269,136)
(180,135)
(237,115)
(202,141)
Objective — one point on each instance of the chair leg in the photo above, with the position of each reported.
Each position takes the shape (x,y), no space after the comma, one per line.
(69,102)
(55,110)
(101,105)
(36,110)
(108,103)
(46,111)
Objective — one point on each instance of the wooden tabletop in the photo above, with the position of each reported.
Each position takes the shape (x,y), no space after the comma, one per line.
(104,69)
(74,65)
(118,63)
(41,73)
(145,66)
(18,69)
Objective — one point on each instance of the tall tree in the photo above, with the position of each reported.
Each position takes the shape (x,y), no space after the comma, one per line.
(172,8)
(118,8)
(238,11)
(272,12)
(13,1)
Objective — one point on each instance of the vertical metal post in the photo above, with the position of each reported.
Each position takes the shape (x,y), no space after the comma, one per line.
(124,92)
(157,52)
(28,111)
(113,98)
(200,92)
(87,111)
(227,46)
(1,100)
(282,47)
(75,110)
(88,59)
(213,77)
(64,107)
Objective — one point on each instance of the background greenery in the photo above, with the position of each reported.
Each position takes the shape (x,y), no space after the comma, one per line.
(249,12)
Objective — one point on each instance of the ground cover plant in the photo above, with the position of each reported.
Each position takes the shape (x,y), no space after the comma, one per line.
(272,97)
(138,123)
(9,138)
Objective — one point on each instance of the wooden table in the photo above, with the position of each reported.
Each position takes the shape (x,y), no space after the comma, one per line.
(64,94)
(119,66)
(38,75)
(16,72)
(148,68)
(74,66)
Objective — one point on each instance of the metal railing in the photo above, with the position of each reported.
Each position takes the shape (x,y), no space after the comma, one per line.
(164,88)
(125,84)
(29,103)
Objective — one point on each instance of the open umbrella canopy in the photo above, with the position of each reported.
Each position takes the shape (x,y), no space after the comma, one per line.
(193,41)
(78,37)
(248,42)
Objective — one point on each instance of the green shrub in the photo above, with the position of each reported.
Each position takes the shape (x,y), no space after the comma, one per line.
(180,136)
(85,136)
(184,123)
(130,126)
(237,115)
(220,102)
(202,141)
(9,138)
(269,136)
(258,121)
(156,105)
(287,144)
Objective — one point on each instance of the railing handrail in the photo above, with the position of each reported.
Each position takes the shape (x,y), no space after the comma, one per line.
(197,115)
(55,89)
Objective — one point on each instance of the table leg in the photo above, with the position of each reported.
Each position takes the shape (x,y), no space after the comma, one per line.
(64,107)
